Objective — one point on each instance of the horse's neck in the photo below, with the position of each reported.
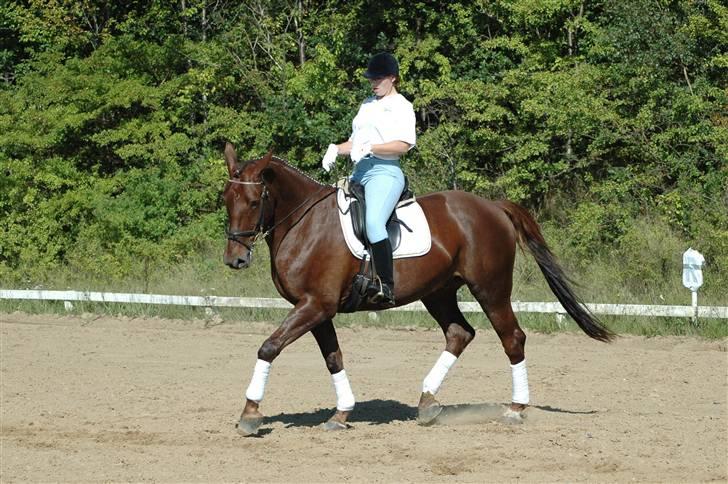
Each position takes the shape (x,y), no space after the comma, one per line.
(291,187)
(294,194)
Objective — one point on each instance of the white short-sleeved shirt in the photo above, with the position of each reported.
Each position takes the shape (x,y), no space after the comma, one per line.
(378,121)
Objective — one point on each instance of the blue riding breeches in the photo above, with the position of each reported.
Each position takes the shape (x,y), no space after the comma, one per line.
(383,183)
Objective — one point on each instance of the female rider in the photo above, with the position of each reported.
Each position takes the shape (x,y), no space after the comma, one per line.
(383,129)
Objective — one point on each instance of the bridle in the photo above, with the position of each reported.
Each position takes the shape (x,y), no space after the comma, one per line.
(256,233)
(259,232)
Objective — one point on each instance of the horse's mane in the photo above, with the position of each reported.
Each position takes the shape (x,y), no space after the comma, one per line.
(287,165)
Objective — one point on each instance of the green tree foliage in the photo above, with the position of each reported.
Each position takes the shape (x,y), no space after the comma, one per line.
(601,116)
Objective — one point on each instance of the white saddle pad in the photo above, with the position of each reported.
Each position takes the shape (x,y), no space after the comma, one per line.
(411,244)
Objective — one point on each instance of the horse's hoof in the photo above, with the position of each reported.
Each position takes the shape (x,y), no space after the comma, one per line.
(249,426)
(428,409)
(333,425)
(427,416)
(512,417)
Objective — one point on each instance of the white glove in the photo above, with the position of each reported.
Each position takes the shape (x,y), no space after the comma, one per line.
(330,157)
(360,150)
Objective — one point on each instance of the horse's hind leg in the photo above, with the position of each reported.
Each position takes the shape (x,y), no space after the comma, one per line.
(325,335)
(513,340)
(443,306)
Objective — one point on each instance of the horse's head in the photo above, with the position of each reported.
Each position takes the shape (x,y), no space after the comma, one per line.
(245,199)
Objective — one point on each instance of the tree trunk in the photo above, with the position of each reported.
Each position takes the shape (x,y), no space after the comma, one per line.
(298,22)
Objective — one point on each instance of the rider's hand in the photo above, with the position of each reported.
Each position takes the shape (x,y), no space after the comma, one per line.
(360,150)
(330,157)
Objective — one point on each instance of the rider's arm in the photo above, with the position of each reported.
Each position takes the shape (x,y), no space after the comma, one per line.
(391,148)
(344,148)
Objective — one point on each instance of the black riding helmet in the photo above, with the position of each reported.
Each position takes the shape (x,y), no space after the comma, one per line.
(382,65)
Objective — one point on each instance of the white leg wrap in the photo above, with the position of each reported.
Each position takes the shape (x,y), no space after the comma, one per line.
(344,396)
(256,389)
(434,379)
(520,383)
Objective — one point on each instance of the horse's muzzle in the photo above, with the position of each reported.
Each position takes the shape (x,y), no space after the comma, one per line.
(238,261)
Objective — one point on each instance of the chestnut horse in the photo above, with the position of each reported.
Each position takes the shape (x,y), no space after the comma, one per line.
(473,242)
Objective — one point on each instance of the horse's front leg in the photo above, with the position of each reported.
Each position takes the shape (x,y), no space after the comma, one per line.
(305,316)
(325,335)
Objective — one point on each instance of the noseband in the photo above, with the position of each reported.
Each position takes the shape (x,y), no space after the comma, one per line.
(256,233)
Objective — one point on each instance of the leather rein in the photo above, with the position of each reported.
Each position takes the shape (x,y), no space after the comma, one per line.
(259,232)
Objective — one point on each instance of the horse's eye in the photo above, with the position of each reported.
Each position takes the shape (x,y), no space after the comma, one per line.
(236,174)
(254,204)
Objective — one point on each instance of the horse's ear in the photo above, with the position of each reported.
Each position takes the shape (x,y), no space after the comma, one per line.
(263,162)
(268,176)
(266,173)
(231,158)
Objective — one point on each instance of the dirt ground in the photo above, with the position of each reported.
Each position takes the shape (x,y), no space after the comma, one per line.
(113,399)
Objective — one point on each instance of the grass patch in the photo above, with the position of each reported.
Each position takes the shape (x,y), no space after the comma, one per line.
(207,276)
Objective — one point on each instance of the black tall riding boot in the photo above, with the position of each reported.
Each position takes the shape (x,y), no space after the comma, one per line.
(384,287)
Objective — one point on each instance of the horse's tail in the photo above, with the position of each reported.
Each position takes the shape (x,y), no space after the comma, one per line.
(529,235)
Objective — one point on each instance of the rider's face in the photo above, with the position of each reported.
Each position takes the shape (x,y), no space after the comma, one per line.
(382,86)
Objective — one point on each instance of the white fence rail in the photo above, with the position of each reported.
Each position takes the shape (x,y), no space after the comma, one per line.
(720,312)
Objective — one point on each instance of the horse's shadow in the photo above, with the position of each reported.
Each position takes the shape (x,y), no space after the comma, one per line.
(378,412)
(374,412)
